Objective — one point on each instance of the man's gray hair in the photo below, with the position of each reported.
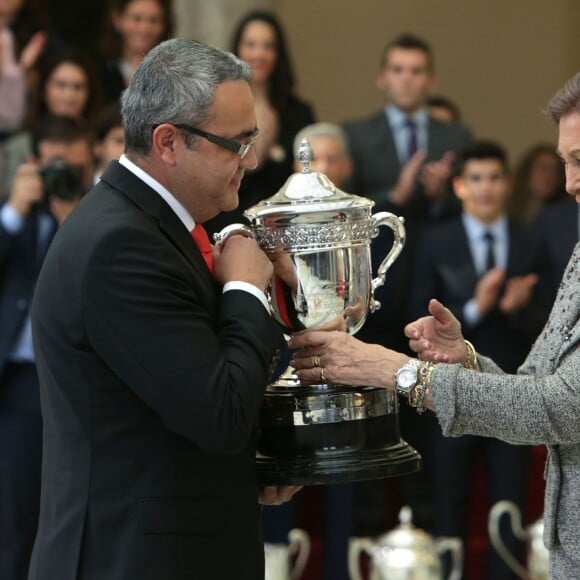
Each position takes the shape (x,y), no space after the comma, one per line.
(323,130)
(175,83)
(566,100)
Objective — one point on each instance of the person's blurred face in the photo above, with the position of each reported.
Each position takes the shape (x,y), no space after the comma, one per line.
(406,79)
(330,159)
(258,48)
(569,151)
(67,91)
(111,147)
(483,189)
(546,176)
(141,26)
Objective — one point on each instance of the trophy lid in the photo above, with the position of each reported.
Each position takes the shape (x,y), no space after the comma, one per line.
(406,535)
(307,192)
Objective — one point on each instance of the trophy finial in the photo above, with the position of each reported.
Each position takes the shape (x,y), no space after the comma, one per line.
(304,155)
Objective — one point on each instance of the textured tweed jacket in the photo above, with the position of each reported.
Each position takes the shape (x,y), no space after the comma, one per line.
(539,405)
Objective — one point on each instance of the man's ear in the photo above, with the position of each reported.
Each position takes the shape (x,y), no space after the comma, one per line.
(458,187)
(166,143)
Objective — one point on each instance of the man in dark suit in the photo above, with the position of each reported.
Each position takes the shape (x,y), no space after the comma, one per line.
(484,267)
(402,160)
(153,348)
(28,221)
(402,156)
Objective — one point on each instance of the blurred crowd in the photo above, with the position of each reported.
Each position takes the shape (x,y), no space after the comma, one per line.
(488,238)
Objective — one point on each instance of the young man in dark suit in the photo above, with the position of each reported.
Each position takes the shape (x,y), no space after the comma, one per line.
(28,220)
(402,156)
(153,348)
(485,267)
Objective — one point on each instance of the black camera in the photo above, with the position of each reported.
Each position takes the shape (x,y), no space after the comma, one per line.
(62,180)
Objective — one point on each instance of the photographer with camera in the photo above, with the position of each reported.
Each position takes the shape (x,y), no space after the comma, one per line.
(44,192)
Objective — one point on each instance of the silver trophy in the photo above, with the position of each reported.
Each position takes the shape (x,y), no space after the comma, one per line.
(318,238)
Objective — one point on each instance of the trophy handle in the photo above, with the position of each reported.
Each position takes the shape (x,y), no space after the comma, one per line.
(299,545)
(455,546)
(495,515)
(385,218)
(356,546)
(220,237)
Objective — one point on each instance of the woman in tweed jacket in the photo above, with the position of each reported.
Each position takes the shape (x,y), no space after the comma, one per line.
(539,405)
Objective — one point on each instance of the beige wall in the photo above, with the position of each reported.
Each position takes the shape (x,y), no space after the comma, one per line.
(501,60)
(213,21)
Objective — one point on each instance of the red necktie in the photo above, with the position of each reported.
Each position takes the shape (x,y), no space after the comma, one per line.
(202,240)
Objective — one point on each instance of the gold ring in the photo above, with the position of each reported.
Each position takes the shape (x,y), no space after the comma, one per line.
(317,362)
(322,377)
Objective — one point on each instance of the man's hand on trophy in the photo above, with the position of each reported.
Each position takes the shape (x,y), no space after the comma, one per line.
(438,337)
(240,259)
(277,494)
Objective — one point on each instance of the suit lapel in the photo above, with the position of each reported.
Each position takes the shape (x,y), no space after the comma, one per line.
(153,204)
(383,138)
(514,253)
(435,139)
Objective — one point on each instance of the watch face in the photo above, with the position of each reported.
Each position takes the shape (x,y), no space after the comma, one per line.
(406,378)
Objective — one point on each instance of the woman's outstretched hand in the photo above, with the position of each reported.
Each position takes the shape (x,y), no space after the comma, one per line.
(438,337)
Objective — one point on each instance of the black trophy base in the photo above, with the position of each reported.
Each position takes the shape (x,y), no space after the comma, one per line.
(321,469)
(319,435)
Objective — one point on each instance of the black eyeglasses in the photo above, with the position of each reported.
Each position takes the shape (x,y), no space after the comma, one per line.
(240,148)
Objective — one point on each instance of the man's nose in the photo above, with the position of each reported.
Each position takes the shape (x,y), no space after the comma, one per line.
(572,180)
(250,161)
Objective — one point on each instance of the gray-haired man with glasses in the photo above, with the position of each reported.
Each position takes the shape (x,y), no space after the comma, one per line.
(154,348)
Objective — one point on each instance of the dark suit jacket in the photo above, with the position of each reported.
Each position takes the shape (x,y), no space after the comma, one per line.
(557,225)
(19,265)
(376,163)
(444,270)
(151,381)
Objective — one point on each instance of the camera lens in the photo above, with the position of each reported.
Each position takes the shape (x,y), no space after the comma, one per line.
(61,180)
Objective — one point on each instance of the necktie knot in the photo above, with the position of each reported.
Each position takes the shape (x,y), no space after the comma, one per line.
(202,240)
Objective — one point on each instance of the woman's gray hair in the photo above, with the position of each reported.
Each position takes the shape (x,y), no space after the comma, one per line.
(175,83)
(566,100)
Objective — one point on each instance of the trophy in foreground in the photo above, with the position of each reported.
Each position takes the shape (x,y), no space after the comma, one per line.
(318,238)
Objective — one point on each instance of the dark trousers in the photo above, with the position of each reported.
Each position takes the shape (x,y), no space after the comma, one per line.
(20,463)
(506,470)
(338,506)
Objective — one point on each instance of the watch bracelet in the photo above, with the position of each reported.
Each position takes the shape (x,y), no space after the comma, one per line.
(423,388)
(471,357)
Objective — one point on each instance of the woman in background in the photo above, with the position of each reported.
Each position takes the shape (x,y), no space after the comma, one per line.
(67,86)
(260,41)
(132,29)
(539,181)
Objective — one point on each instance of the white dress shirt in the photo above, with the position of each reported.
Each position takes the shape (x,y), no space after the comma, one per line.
(478,246)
